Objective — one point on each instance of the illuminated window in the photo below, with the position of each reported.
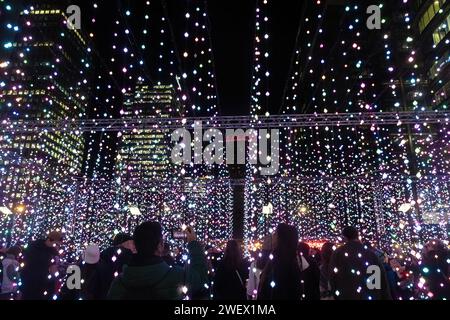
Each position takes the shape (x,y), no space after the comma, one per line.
(441,32)
(431,12)
(439,65)
(443,94)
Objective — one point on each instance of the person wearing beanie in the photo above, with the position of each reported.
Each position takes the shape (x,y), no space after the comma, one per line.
(91,275)
(39,262)
(91,255)
(149,277)
(115,258)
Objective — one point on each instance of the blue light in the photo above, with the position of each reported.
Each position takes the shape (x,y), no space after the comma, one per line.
(8,7)
(9,25)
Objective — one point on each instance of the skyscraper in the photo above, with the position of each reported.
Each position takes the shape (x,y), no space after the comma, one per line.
(45,73)
(433,28)
(146,154)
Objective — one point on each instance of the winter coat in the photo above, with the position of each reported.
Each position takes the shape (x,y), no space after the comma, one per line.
(10,274)
(113,260)
(37,261)
(349,273)
(280,282)
(91,287)
(230,283)
(310,277)
(153,279)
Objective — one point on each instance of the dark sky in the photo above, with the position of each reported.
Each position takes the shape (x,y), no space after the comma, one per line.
(232,24)
(233,29)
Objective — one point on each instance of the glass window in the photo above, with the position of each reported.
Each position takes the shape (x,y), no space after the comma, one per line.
(441,31)
(429,14)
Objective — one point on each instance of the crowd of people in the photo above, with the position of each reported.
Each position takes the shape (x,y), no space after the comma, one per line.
(144,267)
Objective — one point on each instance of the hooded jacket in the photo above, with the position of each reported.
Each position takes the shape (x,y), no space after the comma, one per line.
(152,278)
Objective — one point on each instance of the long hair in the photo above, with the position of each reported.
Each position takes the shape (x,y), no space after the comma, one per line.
(262,259)
(304,249)
(233,257)
(326,253)
(285,252)
(283,270)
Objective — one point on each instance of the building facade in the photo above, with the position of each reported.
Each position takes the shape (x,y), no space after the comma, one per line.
(44,74)
(433,29)
(146,154)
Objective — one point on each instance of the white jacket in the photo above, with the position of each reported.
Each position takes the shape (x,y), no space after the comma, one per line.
(253,281)
(10,274)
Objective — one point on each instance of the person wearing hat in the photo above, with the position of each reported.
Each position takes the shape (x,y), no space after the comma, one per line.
(114,259)
(149,277)
(91,273)
(39,261)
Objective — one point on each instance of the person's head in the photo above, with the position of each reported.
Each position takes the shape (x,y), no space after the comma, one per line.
(381,255)
(350,234)
(148,239)
(304,249)
(285,242)
(125,241)
(54,239)
(120,239)
(395,264)
(327,252)
(14,251)
(434,245)
(233,256)
(91,255)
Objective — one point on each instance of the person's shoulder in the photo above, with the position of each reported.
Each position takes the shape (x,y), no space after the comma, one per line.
(117,289)
(108,252)
(340,249)
(36,243)
(195,246)
(245,265)
(174,274)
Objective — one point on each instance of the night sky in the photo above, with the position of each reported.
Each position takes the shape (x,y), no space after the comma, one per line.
(232,27)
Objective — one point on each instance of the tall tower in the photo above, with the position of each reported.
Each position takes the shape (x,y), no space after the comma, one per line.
(44,75)
(432,24)
(146,154)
